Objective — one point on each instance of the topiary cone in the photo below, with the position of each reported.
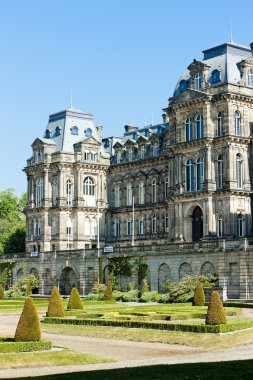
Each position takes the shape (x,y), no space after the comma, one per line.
(1,292)
(55,306)
(108,296)
(28,328)
(144,287)
(199,295)
(215,314)
(75,301)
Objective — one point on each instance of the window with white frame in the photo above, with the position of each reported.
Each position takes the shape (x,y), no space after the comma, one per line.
(130,154)
(239,171)
(189,175)
(129,227)
(200,173)
(166,188)
(250,78)
(141,226)
(220,172)
(129,195)
(188,129)
(37,227)
(142,154)
(39,192)
(69,227)
(141,193)
(155,150)
(197,81)
(69,192)
(219,226)
(154,191)
(240,225)
(219,124)
(154,224)
(237,117)
(117,227)
(166,223)
(200,127)
(117,197)
(93,227)
(89,191)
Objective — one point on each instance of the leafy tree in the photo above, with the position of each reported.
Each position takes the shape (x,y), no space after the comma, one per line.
(28,328)
(1,292)
(28,290)
(184,290)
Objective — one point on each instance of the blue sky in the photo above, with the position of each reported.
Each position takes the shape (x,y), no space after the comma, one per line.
(122,59)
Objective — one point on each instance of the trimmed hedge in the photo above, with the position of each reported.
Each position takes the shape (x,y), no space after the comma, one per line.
(28,328)
(55,306)
(75,301)
(215,313)
(199,295)
(8,345)
(238,304)
(154,325)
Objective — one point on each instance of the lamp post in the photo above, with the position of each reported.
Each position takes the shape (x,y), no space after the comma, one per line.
(133,225)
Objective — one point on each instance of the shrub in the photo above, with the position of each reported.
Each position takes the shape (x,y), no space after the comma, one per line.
(215,314)
(199,295)
(55,306)
(164,298)
(117,295)
(184,290)
(1,292)
(8,345)
(150,297)
(28,328)
(10,293)
(28,290)
(95,296)
(167,287)
(108,296)
(131,296)
(74,301)
(145,287)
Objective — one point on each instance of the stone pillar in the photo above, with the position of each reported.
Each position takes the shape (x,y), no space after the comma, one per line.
(46,190)
(222,272)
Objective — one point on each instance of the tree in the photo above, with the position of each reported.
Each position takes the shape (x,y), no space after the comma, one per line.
(1,292)
(74,301)
(215,314)
(199,295)
(55,306)
(28,328)
(108,292)
(145,287)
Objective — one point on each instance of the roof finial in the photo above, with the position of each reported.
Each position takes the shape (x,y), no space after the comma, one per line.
(231,31)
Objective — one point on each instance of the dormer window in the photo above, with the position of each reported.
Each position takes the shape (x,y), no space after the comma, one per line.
(215,76)
(142,155)
(57,131)
(130,154)
(197,81)
(48,134)
(88,132)
(250,78)
(118,157)
(89,156)
(74,130)
(155,150)
(183,85)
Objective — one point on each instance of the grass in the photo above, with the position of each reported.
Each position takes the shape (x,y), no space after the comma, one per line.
(234,370)
(43,359)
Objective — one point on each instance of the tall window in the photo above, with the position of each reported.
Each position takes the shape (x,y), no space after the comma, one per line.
(69,192)
(237,123)
(239,171)
(240,225)
(39,192)
(154,191)
(93,227)
(141,226)
(69,227)
(37,227)
(188,129)
(250,78)
(220,172)
(154,224)
(219,226)
(155,150)
(89,191)
(190,175)
(141,193)
(53,227)
(117,197)
(129,195)
(197,81)
(200,127)
(130,154)
(129,227)
(166,188)
(142,152)
(166,223)
(117,227)
(219,124)
(200,173)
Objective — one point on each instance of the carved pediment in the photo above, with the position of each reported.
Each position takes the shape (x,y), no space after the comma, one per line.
(40,142)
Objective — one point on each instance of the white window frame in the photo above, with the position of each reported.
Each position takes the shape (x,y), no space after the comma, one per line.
(197,81)
(154,191)
(129,195)
(141,193)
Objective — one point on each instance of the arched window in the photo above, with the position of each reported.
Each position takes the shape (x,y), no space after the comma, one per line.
(220,172)
(141,193)
(188,129)
(219,124)
(39,192)
(200,173)
(69,192)
(166,223)
(239,171)
(250,78)
(215,76)
(154,191)
(142,155)
(89,191)
(154,224)
(237,123)
(141,226)
(240,225)
(190,175)
(88,132)
(200,127)
(74,130)
(155,150)
(219,226)
(197,81)
(129,195)
(48,134)
(166,188)
(117,197)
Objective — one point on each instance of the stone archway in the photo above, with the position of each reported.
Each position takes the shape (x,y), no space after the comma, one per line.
(207,269)
(184,270)
(68,279)
(197,224)
(164,273)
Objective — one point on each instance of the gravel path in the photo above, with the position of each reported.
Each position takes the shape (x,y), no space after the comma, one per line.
(127,353)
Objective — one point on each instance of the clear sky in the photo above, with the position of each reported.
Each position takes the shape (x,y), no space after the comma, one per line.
(122,59)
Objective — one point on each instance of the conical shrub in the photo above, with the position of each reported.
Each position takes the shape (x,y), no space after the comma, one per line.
(145,287)
(199,295)
(108,292)
(1,292)
(215,314)
(28,328)
(55,306)
(74,301)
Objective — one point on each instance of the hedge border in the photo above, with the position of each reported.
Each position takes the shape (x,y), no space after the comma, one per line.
(8,345)
(238,304)
(154,325)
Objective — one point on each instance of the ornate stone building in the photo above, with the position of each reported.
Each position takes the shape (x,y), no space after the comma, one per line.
(177,194)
